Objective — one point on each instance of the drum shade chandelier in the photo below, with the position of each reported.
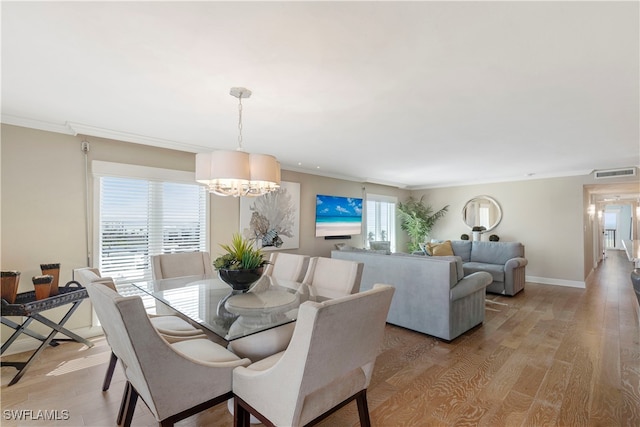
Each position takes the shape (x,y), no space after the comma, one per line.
(238,173)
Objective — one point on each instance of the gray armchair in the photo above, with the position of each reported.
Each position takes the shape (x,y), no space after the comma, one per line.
(505,262)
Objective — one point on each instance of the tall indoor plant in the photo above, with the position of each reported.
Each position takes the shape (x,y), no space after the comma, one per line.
(417,219)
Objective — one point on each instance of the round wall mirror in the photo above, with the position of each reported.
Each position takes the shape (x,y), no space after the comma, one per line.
(482,211)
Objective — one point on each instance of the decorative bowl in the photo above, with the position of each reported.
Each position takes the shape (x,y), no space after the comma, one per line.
(240,280)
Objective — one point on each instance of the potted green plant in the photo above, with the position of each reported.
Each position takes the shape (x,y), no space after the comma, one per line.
(417,219)
(242,264)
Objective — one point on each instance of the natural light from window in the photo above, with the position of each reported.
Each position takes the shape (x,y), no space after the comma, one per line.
(381,219)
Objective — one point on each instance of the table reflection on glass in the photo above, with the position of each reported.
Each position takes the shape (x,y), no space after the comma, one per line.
(229,314)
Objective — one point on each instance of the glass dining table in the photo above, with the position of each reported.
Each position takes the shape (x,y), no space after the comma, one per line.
(211,303)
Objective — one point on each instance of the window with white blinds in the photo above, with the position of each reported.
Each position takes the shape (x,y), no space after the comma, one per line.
(145,214)
(381,219)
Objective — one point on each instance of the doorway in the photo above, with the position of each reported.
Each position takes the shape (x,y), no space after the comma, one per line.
(617,225)
(613,215)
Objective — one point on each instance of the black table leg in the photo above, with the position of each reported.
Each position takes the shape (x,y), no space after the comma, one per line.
(21,329)
(58,326)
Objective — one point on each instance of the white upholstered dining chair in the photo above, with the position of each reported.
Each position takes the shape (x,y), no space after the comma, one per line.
(263,344)
(328,363)
(171,328)
(326,278)
(175,380)
(290,268)
(286,266)
(333,278)
(180,264)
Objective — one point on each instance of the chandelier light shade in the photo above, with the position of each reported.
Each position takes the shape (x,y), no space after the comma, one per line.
(265,174)
(225,173)
(238,173)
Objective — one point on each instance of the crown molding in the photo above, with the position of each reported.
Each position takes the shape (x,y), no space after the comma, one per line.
(563,174)
(36,124)
(88,130)
(74,128)
(319,172)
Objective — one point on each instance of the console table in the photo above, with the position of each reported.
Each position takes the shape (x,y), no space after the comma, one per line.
(28,307)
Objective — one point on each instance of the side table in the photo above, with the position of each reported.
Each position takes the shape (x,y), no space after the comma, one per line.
(28,307)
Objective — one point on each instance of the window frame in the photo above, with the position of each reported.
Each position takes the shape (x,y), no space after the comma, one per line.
(100,169)
(391,233)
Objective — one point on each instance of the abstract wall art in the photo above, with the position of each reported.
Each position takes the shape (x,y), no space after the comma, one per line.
(273,220)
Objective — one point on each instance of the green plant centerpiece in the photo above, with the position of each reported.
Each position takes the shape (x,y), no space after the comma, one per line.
(242,264)
(417,219)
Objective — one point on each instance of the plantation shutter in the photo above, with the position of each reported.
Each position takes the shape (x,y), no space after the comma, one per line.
(148,213)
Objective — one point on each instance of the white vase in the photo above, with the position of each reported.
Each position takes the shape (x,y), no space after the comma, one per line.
(477,236)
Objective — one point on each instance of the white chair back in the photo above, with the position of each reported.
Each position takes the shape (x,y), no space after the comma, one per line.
(87,275)
(104,301)
(181,264)
(167,381)
(285,266)
(330,358)
(333,278)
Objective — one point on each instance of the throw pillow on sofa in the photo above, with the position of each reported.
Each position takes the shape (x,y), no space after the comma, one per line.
(440,249)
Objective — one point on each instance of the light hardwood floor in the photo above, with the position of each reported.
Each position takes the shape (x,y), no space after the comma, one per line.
(549,356)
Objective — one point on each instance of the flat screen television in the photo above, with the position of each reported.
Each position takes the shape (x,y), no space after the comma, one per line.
(338,216)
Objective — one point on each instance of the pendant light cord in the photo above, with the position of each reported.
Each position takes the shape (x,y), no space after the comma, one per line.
(240,123)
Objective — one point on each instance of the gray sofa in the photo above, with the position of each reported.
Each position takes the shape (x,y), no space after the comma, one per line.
(432,295)
(505,262)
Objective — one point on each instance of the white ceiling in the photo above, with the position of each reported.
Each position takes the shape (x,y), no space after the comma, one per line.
(413,94)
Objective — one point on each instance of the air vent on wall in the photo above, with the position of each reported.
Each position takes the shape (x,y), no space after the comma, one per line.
(614,173)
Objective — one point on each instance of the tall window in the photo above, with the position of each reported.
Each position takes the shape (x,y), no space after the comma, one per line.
(150,212)
(381,219)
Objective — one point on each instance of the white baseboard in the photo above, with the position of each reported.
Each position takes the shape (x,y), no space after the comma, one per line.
(29,344)
(556,282)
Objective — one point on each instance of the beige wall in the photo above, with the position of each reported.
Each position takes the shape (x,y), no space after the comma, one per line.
(42,208)
(542,214)
(226,212)
(549,216)
(43,202)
